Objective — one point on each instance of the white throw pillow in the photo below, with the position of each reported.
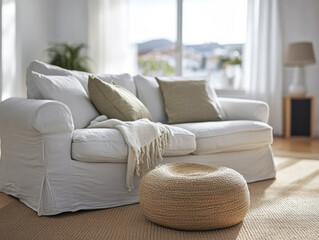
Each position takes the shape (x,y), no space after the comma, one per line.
(149,93)
(68,90)
(45,69)
(124,80)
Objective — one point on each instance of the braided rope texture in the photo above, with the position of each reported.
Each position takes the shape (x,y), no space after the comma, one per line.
(189,196)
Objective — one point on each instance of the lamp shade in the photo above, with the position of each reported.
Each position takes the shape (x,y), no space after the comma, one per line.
(300,54)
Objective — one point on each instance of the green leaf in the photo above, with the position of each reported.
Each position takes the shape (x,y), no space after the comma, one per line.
(68,56)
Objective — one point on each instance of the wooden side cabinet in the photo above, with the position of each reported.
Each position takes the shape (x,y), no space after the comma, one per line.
(299,117)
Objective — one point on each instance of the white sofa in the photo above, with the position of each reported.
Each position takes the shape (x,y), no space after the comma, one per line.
(53,167)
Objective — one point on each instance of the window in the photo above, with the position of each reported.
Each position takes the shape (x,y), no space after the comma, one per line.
(152,27)
(213,34)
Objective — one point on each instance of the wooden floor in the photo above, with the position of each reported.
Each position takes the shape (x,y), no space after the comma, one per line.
(296,145)
(280,144)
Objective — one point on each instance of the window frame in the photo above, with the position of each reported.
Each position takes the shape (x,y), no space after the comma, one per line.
(179,39)
(179,49)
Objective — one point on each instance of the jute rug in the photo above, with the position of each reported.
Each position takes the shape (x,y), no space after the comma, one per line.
(285,208)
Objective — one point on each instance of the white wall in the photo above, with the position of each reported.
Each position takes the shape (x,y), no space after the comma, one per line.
(71,21)
(300,20)
(40,22)
(33,32)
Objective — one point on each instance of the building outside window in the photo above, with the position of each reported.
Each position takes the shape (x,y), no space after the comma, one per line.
(213,36)
(153,27)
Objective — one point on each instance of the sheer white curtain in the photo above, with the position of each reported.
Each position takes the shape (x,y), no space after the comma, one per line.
(108,43)
(11,85)
(263,54)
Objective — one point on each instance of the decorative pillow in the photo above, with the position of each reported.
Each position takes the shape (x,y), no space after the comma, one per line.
(209,86)
(68,90)
(188,101)
(115,101)
(149,93)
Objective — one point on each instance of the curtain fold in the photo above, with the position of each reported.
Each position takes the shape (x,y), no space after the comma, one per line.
(263,58)
(108,43)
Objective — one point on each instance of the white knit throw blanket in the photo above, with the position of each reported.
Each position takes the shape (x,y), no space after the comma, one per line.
(146,143)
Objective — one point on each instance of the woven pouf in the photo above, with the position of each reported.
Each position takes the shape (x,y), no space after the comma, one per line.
(190,196)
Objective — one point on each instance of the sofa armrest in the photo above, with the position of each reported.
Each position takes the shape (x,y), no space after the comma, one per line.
(244,109)
(30,116)
(36,138)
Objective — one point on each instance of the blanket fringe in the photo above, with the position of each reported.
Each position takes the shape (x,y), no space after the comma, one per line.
(149,155)
(146,143)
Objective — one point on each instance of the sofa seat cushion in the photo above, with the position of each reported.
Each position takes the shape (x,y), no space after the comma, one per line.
(108,145)
(226,136)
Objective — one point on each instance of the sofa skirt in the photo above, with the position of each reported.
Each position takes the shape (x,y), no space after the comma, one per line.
(102,185)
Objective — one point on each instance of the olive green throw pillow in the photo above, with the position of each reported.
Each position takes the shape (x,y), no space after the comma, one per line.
(188,101)
(115,101)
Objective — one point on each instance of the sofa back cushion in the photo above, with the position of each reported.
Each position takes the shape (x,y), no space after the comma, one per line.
(124,80)
(149,93)
(45,69)
(68,90)
(115,101)
(188,101)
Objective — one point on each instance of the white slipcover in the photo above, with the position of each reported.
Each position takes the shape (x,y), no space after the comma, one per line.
(36,164)
(35,153)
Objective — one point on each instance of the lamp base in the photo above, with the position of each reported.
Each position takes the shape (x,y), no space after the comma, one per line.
(298,87)
(297,90)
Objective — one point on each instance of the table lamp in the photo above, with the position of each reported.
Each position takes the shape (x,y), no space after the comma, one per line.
(298,55)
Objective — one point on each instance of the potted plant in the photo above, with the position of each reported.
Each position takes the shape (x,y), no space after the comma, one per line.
(68,56)
(231,67)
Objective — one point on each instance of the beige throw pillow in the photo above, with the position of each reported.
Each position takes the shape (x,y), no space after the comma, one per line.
(188,101)
(115,101)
